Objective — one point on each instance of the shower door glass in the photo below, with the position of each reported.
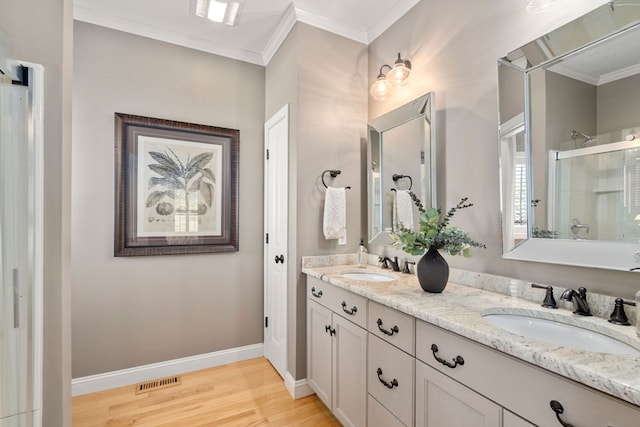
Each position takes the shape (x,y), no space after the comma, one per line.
(16,257)
(597,195)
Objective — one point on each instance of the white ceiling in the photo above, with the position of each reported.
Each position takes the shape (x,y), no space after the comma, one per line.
(262,26)
(612,59)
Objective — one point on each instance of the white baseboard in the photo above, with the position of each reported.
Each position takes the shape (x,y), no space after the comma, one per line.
(297,389)
(109,380)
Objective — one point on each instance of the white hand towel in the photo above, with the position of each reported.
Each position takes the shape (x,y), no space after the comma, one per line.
(334,223)
(403,210)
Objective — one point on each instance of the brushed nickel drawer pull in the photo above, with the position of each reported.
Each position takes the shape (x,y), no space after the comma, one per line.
(392,384)
(351,312)
(316,294)
(559,410)
(390,332)
(458,360)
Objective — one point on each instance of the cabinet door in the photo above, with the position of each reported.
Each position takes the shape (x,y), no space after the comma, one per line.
(349,373)
(511,420)
(319,350)
(443,402)
(379,416)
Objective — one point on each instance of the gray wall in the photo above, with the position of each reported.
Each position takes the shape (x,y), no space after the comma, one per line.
(618,104)
(453,46)
(138,310)
(324,79)
(41,32)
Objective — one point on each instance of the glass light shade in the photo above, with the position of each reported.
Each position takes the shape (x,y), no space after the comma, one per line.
(380,89)
(398,74)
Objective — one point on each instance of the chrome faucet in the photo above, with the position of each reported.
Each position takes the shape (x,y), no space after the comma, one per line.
(579,299)
(386,261)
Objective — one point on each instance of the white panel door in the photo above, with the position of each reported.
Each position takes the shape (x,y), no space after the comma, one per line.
(276,199)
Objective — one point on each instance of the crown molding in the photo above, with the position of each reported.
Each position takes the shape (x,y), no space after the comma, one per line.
(281,32)
(629,71)
(597,80)
(289,19)
(91,16)
(331,26)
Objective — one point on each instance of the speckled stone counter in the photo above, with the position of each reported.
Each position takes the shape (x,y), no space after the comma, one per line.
(460,307)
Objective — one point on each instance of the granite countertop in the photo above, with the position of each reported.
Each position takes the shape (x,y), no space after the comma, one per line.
(459,309)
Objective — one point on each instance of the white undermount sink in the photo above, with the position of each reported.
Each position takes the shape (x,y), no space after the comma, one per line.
(556,332)
(371,276)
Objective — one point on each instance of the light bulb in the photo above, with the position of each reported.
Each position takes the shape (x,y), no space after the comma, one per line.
(380,89)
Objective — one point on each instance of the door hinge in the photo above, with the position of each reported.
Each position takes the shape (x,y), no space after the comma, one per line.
(267,154)
(266,322)
(266,240)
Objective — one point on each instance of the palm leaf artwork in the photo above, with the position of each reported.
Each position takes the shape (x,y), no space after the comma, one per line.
(178,181)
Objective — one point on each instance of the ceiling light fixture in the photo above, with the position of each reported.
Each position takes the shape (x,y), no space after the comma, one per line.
(396,76)
(221,11)
(537,6)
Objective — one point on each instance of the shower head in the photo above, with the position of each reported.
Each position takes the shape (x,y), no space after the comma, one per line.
(586,138)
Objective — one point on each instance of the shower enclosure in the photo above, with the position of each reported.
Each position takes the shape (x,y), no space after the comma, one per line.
(20,246)
(595,192)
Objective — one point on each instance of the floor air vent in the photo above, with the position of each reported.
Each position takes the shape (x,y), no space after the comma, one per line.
(158,384)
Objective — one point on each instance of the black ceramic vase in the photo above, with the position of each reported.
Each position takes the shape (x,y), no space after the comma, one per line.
(433,271)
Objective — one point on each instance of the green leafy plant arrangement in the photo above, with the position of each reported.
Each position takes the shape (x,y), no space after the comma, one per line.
(435,232)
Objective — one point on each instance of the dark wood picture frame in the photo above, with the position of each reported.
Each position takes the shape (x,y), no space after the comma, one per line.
(176,187)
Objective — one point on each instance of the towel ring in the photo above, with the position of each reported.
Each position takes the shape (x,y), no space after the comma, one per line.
(397,177)
(333,173)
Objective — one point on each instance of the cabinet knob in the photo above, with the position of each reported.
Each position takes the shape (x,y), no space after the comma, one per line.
(559,410)
(458,360)
(351,311)
(392,384)
(390,332)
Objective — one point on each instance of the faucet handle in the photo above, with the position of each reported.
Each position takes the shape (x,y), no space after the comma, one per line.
(549,300)
(618,316)
(383,260)
(407,266)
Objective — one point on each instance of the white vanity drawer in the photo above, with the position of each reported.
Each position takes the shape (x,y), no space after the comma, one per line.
(391,378)
(347,304)
(379,416)
(524,389)
(321,292)
(351,306)
(392,326)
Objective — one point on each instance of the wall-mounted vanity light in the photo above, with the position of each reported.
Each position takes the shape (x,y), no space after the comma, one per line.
(537,6)
(395,77)
(221,11)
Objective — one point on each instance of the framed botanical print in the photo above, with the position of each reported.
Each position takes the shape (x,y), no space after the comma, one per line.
(176,187)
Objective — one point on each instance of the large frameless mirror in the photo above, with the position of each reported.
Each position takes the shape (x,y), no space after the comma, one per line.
(569,137)
(400,159)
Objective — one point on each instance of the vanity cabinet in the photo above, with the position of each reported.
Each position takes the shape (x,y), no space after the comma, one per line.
(337,351)
(521,388)
(378,367)
(442,402)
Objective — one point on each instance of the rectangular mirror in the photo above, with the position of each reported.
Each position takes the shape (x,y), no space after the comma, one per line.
(569,141)
(400,158)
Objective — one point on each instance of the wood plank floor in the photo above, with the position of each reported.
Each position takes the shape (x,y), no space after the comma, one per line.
(248,393)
